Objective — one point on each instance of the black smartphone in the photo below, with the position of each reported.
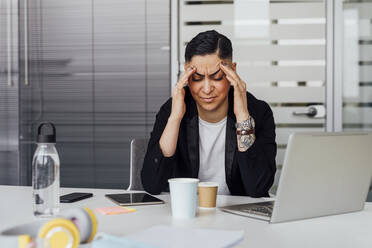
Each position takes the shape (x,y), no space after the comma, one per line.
(73,197)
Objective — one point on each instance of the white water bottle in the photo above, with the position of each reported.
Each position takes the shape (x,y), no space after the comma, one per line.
(45,174)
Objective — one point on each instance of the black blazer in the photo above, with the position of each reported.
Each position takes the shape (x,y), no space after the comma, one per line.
(249,173)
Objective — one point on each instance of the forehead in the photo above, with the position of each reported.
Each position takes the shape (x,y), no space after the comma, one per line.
(206,64)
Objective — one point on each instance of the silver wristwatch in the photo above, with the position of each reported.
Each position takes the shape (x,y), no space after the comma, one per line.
(246,125)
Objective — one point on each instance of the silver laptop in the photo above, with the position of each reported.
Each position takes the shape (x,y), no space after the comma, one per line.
(323,174)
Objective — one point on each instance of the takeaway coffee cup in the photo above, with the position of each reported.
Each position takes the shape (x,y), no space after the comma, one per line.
(183,192)
(207,192)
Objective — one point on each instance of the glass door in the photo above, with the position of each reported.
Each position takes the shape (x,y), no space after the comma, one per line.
(354,109)
(280,50)
(357,65)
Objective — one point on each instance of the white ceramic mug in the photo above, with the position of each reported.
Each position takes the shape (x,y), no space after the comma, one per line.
(184,198)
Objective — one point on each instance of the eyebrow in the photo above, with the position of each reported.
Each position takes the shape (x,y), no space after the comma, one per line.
(211,75)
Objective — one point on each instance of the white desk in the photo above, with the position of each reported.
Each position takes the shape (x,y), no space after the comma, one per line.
(347,230)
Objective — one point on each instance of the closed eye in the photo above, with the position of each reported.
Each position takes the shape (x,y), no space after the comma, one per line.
(218,77)
(196,79)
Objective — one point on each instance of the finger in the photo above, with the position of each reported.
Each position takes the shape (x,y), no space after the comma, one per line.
(229,71)
(232,81)
(240,94)
(185,77)
(188,72)
(242,85)
(232,74)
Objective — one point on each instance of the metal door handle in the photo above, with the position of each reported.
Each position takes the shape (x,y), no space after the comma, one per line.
(311,112)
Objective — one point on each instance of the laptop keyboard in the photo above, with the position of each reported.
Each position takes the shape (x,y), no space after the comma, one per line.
(261,208)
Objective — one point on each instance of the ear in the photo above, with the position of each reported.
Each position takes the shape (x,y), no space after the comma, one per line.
(234,66)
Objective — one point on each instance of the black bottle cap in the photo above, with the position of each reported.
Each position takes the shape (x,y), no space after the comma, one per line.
(46,138)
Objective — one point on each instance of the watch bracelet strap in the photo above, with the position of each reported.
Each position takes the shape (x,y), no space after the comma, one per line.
(245,132)
(242,123)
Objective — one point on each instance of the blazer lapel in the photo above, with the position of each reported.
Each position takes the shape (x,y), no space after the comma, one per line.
(230,148)
(192,132)
(192,127)
(230,143)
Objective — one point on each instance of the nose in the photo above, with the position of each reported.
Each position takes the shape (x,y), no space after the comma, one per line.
(207,86)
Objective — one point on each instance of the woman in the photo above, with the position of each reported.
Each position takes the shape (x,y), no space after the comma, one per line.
(212,128)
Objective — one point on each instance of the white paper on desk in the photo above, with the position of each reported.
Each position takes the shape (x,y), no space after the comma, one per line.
(167,237)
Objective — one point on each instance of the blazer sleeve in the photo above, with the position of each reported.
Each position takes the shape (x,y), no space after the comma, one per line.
(157,169)
(257,165)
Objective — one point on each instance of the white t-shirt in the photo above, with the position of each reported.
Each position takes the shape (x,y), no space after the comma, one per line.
(212,137)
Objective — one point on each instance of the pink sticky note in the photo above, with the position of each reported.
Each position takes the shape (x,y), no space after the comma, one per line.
(115,210)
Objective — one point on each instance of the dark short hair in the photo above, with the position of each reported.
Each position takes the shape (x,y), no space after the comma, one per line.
(209,42)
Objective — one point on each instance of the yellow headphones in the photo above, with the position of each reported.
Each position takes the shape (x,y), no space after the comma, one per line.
(72,227)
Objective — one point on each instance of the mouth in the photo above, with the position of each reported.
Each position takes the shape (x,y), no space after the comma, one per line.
(208,99)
